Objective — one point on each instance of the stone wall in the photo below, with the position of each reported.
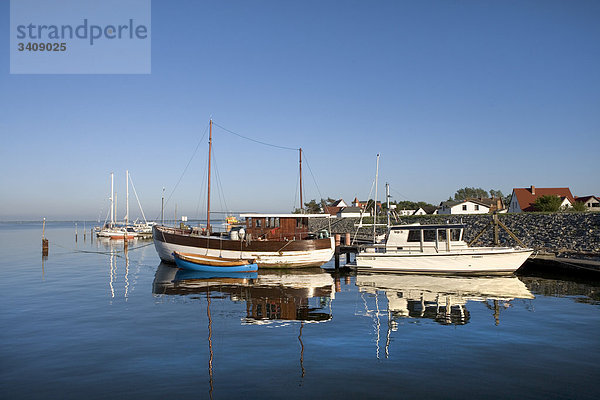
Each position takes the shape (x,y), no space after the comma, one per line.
(553,233)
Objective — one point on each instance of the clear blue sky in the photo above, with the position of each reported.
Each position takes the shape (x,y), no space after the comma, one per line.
(491,94)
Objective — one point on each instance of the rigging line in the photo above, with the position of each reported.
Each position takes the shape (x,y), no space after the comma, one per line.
(220,191)
(401,195)
(254,140)
(201,194)
(137,198)
(311,173)
(186,167)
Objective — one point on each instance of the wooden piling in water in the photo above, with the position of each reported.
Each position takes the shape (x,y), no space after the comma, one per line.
(44,240)
(338,240)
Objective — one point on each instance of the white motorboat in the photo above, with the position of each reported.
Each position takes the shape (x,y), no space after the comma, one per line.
(437,249)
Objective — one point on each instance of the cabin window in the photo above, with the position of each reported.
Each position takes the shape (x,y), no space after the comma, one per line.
(464,207)
(415,235)
(441,235)
(276,223)
(267,222)
(298,222)
(258,223)
(476,207)
(455,235)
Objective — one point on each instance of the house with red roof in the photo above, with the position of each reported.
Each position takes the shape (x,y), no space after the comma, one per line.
(592,203)
(523,199)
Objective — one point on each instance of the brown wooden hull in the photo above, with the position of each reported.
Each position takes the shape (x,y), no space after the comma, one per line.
(268,253)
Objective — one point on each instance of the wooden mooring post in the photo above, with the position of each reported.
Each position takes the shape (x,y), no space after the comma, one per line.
(338,240)
(44,240)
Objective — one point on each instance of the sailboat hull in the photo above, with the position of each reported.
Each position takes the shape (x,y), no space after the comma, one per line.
(268,253)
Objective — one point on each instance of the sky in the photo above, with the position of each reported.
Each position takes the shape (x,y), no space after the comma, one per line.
(490,94)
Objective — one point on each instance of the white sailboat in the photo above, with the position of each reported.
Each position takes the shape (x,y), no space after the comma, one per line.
(114,230)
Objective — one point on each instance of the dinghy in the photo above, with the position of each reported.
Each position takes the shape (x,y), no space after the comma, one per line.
(204,263)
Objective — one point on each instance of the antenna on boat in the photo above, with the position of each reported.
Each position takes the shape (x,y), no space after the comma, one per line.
(208,200)
(162,208)
(301,203)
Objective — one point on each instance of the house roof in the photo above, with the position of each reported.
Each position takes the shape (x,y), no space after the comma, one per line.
(585,199)
(526,196)
(337,203)
(351,209)
(457,202)
(331,210)
(488,201)
(429,209)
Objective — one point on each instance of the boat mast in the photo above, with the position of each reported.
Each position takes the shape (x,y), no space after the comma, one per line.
(126,198)
(301,201)
(208,201)
(112,199)
(375,202)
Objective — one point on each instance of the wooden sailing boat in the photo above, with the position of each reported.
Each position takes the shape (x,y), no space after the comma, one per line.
(273,240)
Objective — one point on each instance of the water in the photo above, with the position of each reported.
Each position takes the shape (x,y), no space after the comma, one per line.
(91,322)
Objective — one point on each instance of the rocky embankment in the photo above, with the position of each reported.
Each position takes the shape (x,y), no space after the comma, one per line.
(558,233)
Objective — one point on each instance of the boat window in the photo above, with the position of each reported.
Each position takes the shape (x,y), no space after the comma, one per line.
(258,223)
(298,222)
(441,235)
(455,235)
(464,207)
(276,223)
(415,236)
(267,222)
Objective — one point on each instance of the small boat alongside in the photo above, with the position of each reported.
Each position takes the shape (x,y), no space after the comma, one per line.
(437,249)
(205,263)
(117,233)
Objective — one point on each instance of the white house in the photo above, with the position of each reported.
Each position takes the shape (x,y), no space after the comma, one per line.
(352,212)
(591,202)
(404,213)
(523,199)
(463,207)
(426,210)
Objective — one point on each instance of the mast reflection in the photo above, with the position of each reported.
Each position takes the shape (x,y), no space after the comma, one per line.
(442,299)
(271,296)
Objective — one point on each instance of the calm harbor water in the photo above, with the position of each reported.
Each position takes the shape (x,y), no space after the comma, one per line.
(92,321)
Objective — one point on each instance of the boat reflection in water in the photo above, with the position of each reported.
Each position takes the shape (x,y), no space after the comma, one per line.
(442,298)
(270,295)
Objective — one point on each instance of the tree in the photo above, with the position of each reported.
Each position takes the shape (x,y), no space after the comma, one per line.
(408,205)
(548,203)
(312,207)
(579,206)
(496,193)
(470,193)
